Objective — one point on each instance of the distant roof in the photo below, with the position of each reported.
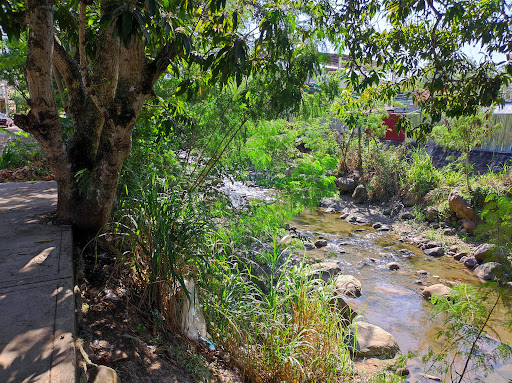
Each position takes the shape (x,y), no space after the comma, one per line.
(506,109)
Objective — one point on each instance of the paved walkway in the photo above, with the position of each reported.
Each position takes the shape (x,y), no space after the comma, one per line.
(36,288)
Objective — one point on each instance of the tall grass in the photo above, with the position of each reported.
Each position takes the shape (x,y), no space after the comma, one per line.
(277,325)
(164,230)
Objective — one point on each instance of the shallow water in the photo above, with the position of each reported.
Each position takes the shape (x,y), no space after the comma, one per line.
(392,299)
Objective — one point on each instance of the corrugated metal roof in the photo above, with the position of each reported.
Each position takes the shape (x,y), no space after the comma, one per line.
(506,109)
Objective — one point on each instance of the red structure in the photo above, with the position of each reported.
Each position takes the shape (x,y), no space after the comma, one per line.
(391,135)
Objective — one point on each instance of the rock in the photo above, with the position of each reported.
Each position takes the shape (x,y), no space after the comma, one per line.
(470,262)
(344,216)
(386,212)
(370,340)
(324,270)
(344,310)
(309,246)
(112,297)
(377,225)
(321,243)
(362,220)
(469,225)
(406,215)
(352,218)
(328,202)
(429,245)
(102,374)
(393,266)
(422,272)
(454,248)
(431,214)
(434,225)
(483,251)
(460,206)
(437,289)
(384,228)
(345,184)
(409,201)
(434,251)
(487,271)
(360,194)
(458,256)
(418,282)
(330,210)
(347,285)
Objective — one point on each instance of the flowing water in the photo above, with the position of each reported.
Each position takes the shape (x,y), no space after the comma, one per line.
(392,299)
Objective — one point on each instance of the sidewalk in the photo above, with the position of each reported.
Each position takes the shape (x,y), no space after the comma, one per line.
(36,288)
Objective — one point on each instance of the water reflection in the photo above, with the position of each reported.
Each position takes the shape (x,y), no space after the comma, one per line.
(392,299)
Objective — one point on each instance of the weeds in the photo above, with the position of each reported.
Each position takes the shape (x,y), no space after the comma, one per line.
(277,325)
(467,317)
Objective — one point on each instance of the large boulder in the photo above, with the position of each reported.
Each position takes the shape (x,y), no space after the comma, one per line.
(460,206)
(369,340)
(487,271)
(360,194)
(434,251)
(431,214)
(346,184)
(469,262)
(347,285)
(437,289)
(483,251)
(324,270)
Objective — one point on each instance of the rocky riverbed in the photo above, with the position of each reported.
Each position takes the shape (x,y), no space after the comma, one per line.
(385,268)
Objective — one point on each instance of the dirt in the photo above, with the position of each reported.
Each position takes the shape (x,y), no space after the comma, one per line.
(116,333)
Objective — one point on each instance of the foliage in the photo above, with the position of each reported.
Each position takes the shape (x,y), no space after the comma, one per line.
(13,56)
(164,229)
(274,323)
(467,315)
(423,46)
(421,175)
(464,134)
(361,114)
(384,168)
(20,152)
(497,216)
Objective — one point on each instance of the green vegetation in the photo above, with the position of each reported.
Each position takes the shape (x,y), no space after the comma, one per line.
(190,96)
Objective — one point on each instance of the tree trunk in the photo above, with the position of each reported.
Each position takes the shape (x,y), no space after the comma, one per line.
(105,93)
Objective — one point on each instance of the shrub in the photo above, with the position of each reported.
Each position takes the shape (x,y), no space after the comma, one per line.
(422,176)
(276,325)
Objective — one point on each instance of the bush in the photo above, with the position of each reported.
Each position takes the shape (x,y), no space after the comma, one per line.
(276,325)
(383,168)
(422,176)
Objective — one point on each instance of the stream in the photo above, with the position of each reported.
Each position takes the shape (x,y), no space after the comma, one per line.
(391,300)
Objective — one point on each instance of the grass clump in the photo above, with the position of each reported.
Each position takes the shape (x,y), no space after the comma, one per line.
(275,323)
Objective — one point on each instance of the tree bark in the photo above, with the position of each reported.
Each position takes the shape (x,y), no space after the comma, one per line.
(106,93)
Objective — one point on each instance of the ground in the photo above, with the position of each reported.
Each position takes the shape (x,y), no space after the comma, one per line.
(116,333)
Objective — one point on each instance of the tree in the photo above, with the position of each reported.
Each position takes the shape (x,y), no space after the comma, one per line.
(464,134)
(422,43)
(110,54)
